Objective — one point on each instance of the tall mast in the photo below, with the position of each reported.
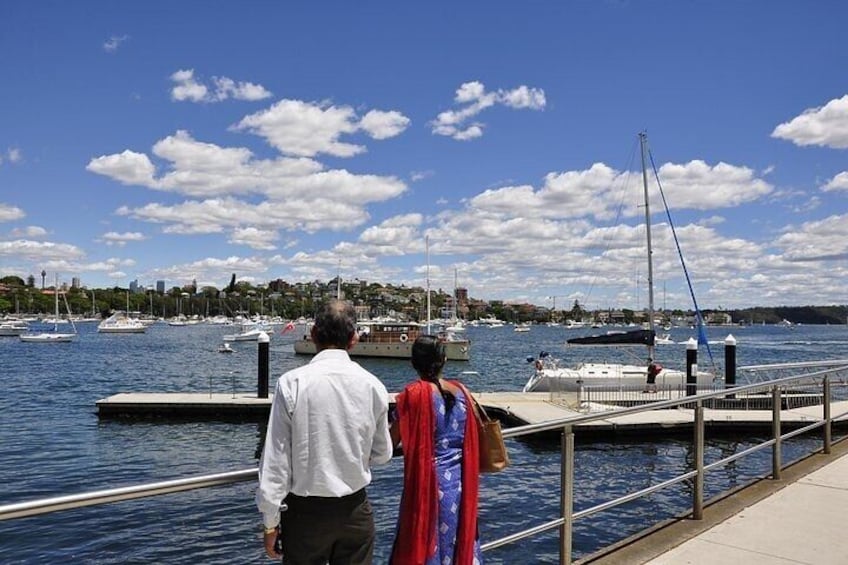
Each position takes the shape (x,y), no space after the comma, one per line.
(454,295)
(427,246)
(56,304)
(339,281)
(643,143)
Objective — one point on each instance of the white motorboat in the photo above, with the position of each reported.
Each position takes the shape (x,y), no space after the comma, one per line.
(249,332)
(225,348)
(13,327)
(664,339)
(120,323)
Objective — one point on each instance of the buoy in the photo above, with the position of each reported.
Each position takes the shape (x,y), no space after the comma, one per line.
(404,338)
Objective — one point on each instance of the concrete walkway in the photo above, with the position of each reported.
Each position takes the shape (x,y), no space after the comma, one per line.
(798,519)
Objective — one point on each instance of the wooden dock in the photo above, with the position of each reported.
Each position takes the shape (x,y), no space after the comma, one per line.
(512,408)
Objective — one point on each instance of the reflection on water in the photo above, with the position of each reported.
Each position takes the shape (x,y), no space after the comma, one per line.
(53,444)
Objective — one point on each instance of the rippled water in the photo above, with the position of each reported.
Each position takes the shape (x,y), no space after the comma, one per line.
(53,444)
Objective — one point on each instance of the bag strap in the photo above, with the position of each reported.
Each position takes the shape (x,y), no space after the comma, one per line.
(479,411)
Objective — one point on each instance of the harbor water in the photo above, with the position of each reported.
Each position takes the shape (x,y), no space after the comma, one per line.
(54,444)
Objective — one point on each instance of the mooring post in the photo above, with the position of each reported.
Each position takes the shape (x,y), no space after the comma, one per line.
(264,366)
(730,363)
(691,367)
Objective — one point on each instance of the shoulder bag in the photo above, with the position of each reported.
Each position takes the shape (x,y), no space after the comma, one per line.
(493,453)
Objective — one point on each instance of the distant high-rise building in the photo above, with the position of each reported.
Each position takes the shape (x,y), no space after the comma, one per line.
(160,287)
(134,286)
(75,282)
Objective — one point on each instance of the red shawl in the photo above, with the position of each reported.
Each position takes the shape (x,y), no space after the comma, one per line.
(419,508)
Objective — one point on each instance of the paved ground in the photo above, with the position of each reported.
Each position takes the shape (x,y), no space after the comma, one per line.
(795,520)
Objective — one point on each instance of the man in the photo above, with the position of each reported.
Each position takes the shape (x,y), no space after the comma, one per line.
(653,370)
(328,425)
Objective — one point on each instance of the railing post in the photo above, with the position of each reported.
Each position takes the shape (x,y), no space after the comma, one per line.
(827,418)
(776,457)
(698,494)
(691,367)
(264,366)
(566,495)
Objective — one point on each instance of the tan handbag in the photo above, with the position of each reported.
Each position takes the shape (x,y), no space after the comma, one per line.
(493,454)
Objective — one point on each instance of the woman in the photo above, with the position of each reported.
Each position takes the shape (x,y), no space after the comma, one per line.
(435,424)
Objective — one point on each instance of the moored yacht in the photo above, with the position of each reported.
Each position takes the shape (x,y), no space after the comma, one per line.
(120,323)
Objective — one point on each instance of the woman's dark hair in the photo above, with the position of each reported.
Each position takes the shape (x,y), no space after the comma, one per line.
(335,324)
(428,359)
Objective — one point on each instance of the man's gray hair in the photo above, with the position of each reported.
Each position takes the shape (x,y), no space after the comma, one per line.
(335,324)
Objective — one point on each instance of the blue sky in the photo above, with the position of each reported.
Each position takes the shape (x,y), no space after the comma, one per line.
(189,140)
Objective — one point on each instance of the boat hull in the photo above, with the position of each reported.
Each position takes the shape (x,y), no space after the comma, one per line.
(122,330)
(47,338)
(606,375)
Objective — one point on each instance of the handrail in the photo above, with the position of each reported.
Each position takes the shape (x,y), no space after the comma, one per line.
(47,505)
(566,425)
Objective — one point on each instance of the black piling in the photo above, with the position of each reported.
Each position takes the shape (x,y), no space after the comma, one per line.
(730,362)
(691,367)
(264,365)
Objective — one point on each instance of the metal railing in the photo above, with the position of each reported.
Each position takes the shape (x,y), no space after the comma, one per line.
(568,426)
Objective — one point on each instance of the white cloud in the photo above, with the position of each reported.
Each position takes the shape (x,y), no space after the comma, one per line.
(29,231)
(839,182)
(305,129)
(127,167)
(416,176)
(212,269)
(216,215)
(111,45)
(189,89)
(300,195)
(121,239)
(255,238)
(394,236)
(826,126)
(228,88)
(473,95)
(821,240)
(10,213)
(383,125)
(14,155)
(39,249)
(598,191)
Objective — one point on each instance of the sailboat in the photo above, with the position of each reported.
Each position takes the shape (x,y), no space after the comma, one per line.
(54,336)
(549,376)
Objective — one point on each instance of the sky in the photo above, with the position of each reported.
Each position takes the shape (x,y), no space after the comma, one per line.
(493,145)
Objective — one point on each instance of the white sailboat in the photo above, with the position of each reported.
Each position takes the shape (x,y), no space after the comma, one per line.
(55,336)
(549,376)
